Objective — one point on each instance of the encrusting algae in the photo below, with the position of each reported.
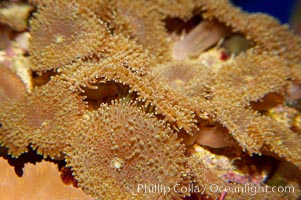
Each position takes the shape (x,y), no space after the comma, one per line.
(128,95)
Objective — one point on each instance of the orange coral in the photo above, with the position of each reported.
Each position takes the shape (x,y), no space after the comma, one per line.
(40,181)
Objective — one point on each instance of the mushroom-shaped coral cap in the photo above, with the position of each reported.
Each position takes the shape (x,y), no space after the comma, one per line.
(264,30)
(62,32)
(41,118)
(188,78)
(178,74)
(252,75)
(141,20)
(120,149)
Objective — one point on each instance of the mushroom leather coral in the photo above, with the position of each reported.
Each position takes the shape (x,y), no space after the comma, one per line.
(39,118)
(62,32)
(112,92)
(135,20)
(117,146)
(261,28)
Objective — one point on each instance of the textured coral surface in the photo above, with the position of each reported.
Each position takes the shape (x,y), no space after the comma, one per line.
(148,99)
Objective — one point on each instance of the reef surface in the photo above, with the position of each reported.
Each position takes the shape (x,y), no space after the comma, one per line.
(149,99)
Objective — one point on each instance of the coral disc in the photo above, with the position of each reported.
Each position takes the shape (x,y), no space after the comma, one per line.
(126,148)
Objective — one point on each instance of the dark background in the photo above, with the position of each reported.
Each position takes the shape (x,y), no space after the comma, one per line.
(281,9)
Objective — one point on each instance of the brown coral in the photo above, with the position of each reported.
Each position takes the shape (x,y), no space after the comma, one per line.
(124,146)
(62,32)
(191,79)
(260,28)
(39,118)
(247,81)
(249,77)
(123,67)
(138,20)
(149,90)
(254,82)
(233,87)
(182,9)
(223,88)
(179,74)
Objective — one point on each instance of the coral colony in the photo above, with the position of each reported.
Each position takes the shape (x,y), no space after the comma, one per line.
(151,99)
